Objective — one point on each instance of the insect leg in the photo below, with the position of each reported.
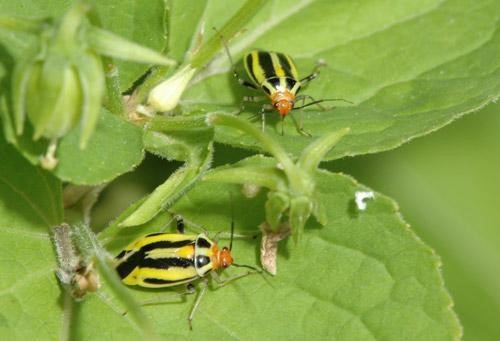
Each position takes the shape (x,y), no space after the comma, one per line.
(222,282)
(251,99)
(314,74)
(179,221)
(300,125)
(263,117)
(167,297)
(244,82)
(197,302)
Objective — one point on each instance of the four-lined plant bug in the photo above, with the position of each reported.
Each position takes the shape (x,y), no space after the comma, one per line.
(161,260)
(276,75)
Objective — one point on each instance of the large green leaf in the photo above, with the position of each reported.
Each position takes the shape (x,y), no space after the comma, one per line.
(409,67)
(447,185)
(363,276)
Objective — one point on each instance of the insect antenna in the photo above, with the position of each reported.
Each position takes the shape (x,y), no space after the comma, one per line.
(232,221)
(231,238)
(224,44)
(323,100)
(247,266)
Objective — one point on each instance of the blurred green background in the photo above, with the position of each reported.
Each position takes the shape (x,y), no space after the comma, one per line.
(447,185)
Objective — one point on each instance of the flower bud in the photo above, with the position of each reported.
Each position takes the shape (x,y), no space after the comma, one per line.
(53,98)
(165,96)
(62,84)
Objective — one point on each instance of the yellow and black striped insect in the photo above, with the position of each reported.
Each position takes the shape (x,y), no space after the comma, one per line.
(276,74)
(161,260)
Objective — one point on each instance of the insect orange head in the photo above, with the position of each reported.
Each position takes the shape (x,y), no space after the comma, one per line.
(225,257)
(284,107)
(283,101)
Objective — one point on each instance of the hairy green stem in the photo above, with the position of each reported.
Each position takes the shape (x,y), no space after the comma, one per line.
(296,177)
(177,123)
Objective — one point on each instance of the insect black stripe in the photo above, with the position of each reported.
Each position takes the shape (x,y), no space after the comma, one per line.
(165,244)
(165,281)
(266,88)
(275,82)
(165,263)
(249,61)
(202,242)
(155,234)
(287,68)
(121,254)
(126,267)
(138,258)
(266,64)
(290,83)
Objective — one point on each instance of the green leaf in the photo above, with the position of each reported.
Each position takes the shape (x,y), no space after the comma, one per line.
(141,22)
(447,184)
(30,202)
(410,68)
(113,45)
(115,148)
(23,185)
(183,26)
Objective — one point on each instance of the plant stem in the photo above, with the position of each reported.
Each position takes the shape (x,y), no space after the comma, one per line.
(176,123)
(296,177)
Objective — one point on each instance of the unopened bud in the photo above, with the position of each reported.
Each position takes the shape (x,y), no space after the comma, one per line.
(165,96)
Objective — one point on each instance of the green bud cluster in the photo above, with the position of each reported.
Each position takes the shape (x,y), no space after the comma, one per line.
(62,84)
(292,196)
